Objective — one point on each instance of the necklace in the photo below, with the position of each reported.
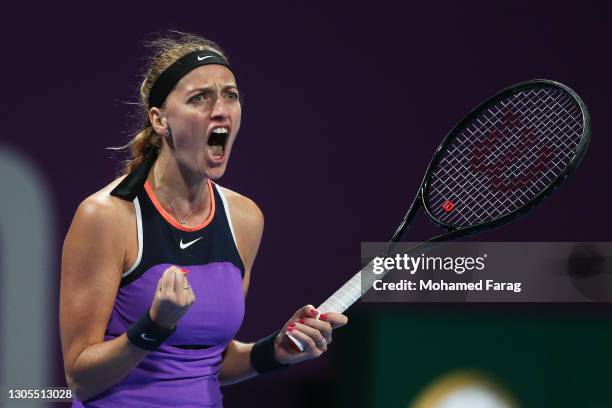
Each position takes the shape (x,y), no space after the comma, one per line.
(181,220)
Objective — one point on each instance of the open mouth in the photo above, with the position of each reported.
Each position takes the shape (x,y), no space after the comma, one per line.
(217,142)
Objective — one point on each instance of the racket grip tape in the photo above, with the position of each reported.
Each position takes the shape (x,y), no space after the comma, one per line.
(297,344)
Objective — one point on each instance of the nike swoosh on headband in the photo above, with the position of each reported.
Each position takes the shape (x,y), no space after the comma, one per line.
(203,58)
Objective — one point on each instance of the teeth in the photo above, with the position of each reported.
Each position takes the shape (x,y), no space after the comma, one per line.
(220,130)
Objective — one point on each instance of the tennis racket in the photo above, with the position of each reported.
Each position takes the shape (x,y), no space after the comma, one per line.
(504,158)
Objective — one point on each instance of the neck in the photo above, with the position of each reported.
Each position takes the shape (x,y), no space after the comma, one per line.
(178,189)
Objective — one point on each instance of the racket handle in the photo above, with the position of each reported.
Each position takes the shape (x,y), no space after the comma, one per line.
(297,345)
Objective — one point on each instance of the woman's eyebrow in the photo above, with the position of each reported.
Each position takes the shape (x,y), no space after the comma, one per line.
(210,88)
(204,89)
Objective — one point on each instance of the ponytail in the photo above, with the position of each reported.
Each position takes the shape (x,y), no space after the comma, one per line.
(138,147)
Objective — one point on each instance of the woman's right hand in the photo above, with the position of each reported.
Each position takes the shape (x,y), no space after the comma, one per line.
(173,298)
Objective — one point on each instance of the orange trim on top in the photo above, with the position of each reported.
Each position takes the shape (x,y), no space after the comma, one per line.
(168,217)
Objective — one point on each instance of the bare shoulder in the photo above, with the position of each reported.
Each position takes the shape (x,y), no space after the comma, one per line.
(103,209)
(243,210)
(104,217)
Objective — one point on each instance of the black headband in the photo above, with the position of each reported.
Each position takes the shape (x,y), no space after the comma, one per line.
(171,75)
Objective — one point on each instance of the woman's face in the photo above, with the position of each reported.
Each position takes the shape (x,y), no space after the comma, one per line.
(203,113)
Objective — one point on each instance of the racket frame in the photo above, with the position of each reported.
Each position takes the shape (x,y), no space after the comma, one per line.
(458,232)
(454,233)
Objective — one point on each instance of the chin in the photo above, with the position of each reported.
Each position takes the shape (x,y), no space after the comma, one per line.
(216,172)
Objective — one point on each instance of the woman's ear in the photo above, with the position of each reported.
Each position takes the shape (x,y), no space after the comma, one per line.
(158,121)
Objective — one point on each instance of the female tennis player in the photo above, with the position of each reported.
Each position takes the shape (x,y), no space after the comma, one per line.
(156,265)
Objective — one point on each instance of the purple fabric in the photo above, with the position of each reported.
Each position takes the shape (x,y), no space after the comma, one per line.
(172,376)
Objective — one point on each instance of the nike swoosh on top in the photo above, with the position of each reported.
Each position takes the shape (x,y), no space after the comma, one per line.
(188,244)
(203,58)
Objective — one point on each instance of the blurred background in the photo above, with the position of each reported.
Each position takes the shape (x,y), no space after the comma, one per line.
(344,106)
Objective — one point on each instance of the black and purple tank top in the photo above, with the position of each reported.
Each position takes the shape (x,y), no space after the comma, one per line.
(183,372)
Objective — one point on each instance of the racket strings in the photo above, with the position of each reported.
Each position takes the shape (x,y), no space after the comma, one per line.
(495,158)
(506,157)
(523,192)
(473,186)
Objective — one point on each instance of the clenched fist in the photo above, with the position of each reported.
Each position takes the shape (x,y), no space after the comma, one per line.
(173,298)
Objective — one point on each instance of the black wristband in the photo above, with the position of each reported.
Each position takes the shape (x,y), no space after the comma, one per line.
(147,335)
(262,355)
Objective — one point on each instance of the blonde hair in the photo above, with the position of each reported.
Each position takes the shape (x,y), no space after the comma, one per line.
(168,47)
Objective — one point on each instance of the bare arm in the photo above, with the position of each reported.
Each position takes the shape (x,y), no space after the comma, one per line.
(236,365)
(93,257)
(92,261)
(248,222)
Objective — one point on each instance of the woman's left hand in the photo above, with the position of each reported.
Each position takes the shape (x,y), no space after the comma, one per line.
(314,334)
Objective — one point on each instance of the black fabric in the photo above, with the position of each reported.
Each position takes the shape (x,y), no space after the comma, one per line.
(147,335)
(192,346)
(171,75)
(262,355)
(133,182)
(161,240)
